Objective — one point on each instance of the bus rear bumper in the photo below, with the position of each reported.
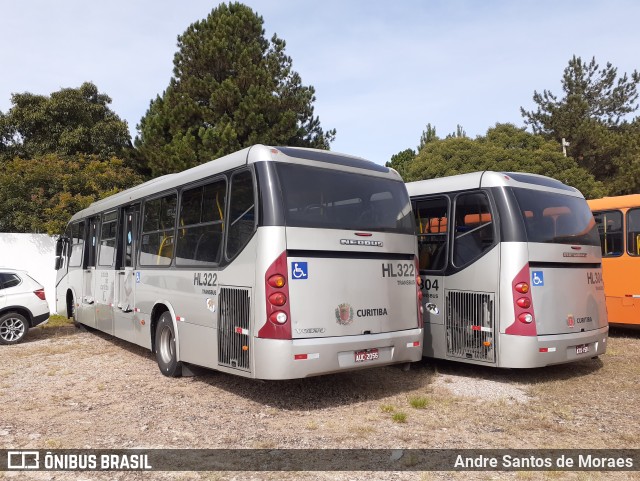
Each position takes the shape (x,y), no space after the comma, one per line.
(539,351)
(298,358)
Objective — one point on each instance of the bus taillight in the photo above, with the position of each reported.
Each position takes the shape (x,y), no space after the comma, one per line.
(278,325)
(524,322)
(277,280)
(278,299)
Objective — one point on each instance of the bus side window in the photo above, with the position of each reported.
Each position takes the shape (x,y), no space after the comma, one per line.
(158,231)
(242,212)
(474,232)
(432,225)
(610,230)
(201,224)
(633,232)
(76,244)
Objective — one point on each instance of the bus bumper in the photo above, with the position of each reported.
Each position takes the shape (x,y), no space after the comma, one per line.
(539,351)
(298,358)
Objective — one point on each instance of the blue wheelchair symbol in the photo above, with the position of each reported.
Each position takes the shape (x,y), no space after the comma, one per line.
(299,270)
(537,278)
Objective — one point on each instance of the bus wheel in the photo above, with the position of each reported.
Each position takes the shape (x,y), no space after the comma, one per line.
(166,354)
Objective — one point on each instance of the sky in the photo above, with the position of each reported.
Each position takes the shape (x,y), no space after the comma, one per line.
(381,70)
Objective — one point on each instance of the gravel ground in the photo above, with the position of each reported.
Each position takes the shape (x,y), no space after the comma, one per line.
(65,388)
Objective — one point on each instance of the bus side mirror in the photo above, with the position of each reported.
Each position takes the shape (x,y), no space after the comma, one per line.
(60,248)
(59,245)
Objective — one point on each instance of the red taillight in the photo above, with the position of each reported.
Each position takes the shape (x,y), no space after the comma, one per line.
(277,280)
(278,317)
(40,294)
(524,318)
(278,299)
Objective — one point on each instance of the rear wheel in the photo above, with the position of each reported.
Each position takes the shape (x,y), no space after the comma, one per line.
(13,328)
(166,353)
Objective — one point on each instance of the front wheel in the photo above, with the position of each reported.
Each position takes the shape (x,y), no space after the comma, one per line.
(166,353)
(13,328)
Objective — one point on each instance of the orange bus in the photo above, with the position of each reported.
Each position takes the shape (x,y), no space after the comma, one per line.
(618,220)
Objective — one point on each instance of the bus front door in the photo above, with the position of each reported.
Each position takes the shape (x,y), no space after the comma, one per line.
(87,310)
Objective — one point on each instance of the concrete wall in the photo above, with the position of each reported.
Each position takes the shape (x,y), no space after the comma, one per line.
(34,253)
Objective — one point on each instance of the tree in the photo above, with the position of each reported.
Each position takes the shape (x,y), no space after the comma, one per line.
(592,117)
(458,133)
(428,135)
(231,88)
(505,148)
(69,122)
(41,194)
(401,161)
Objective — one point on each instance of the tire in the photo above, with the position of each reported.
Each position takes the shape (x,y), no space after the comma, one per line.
(166,353)
(13,328)
(71,309)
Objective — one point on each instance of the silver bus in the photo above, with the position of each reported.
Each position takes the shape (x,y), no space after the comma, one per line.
(511,270)
(271,263)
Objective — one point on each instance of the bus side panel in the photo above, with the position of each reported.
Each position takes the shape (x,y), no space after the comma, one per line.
(621,284)
(466,304)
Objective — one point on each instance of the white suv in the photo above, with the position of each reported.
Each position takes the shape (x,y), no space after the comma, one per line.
(22,305)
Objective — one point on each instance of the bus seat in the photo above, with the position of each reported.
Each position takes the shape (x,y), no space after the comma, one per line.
(436,225)
(473,220)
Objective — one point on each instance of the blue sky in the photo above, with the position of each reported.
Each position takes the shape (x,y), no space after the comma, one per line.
(382,70)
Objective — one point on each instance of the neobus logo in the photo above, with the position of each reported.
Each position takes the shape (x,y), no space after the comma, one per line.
(360,242)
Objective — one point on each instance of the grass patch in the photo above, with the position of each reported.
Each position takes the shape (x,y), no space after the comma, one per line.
(399,417)
(387,408)
(419,402)
(57,321)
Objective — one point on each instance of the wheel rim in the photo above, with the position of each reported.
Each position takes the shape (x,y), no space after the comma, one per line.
(167,346)
(12,329)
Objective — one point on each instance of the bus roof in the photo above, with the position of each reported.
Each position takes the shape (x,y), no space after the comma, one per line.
(618,202)
(249,155)
(487,178)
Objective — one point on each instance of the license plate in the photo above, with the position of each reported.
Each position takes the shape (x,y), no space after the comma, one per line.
(582,349)
(367,355)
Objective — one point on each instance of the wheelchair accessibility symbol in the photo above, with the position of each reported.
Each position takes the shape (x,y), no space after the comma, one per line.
(537,278)
(299,270)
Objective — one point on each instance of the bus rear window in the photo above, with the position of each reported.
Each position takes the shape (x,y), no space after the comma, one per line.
(556,218)
(333,199)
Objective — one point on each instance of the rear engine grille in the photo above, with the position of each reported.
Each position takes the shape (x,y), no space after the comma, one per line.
(233,328)
(470,324)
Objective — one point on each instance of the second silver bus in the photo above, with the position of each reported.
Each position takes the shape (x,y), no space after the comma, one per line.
(511,267)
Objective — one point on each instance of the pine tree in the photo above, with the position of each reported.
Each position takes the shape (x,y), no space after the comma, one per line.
(231,88)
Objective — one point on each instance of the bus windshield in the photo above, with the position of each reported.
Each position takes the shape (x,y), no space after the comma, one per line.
(333,199)
(556,218)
